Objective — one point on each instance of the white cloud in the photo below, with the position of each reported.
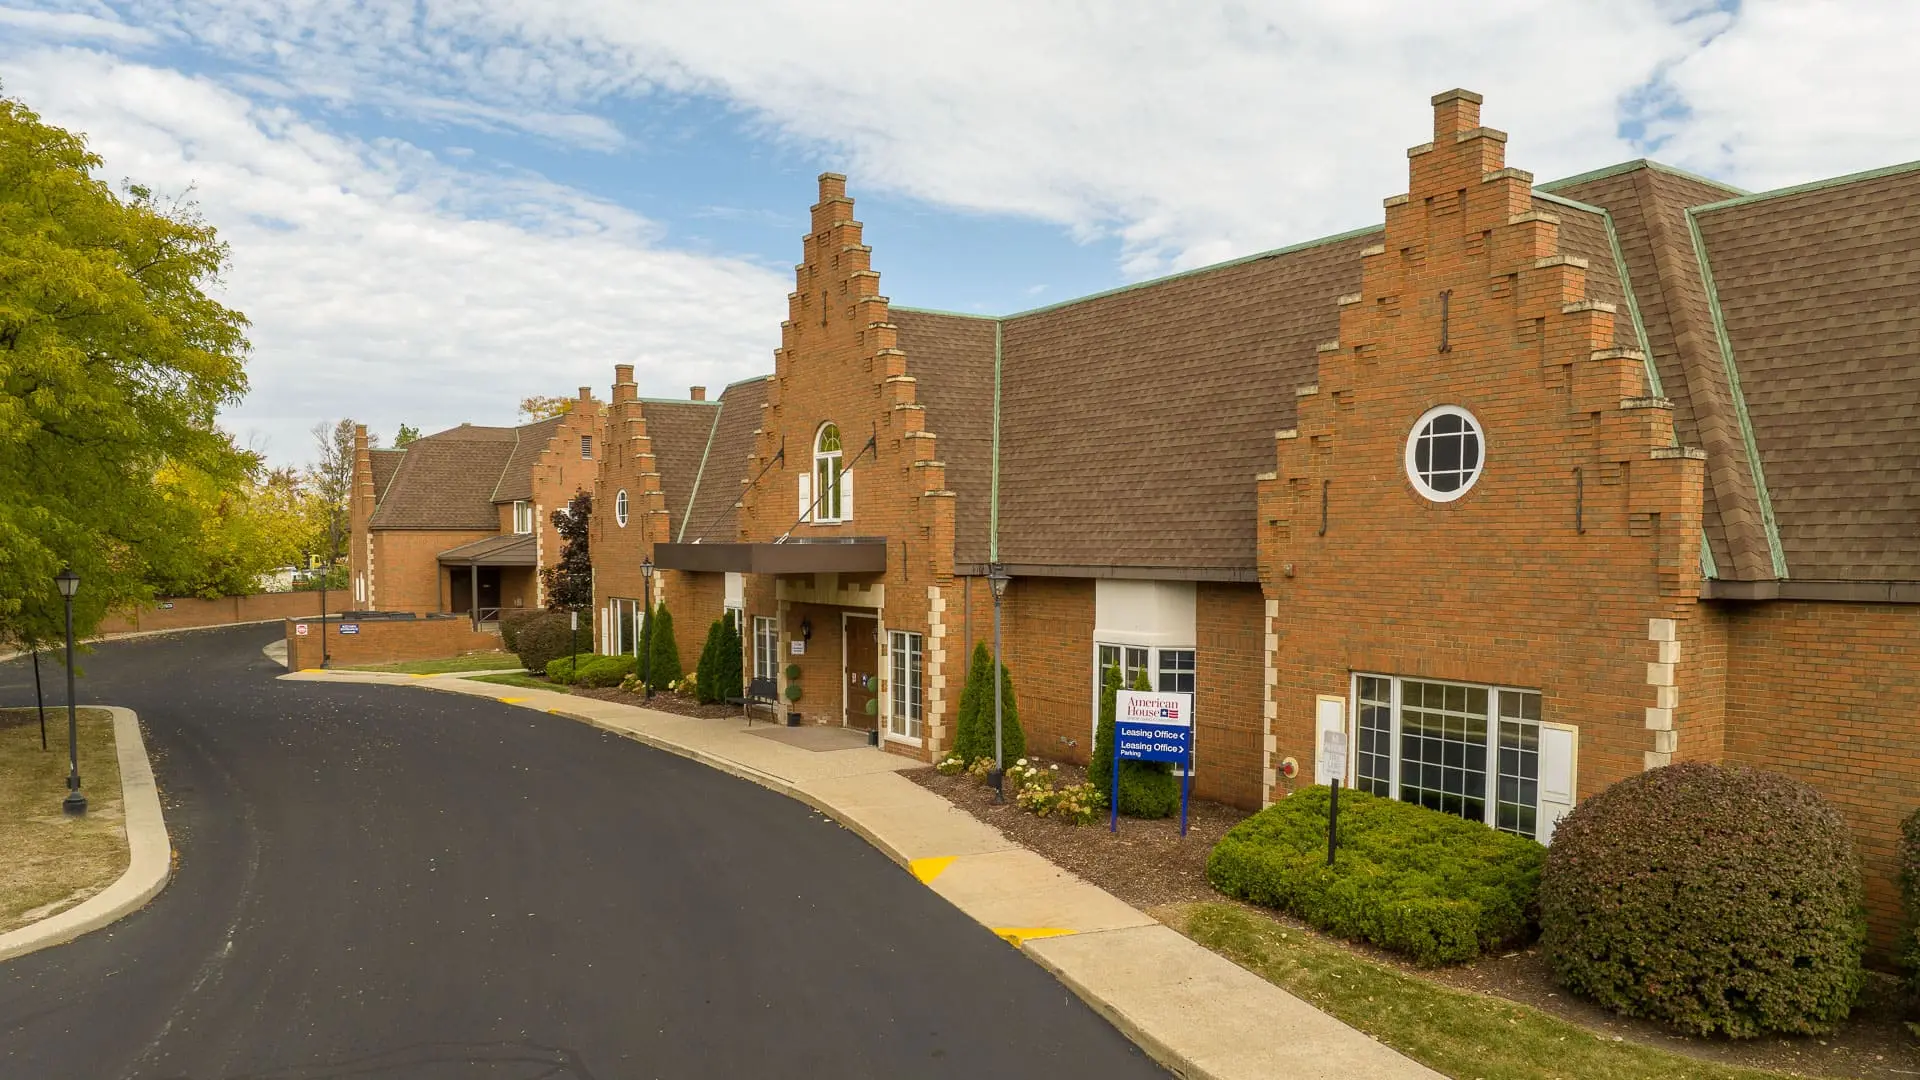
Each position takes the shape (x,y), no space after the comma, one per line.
(73,26)
(386,285)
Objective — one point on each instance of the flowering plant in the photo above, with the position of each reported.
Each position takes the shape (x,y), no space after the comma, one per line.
(953,766)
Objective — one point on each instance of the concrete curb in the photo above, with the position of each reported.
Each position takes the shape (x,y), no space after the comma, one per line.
(150,861)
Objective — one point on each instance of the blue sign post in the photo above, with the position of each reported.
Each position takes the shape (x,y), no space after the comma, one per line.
(1152,727)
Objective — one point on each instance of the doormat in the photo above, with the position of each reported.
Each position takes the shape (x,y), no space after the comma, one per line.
(818,738)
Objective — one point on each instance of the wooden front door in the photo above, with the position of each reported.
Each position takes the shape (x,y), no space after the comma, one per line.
(860,671)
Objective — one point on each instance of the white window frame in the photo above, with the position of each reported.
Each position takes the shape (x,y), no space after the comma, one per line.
(829,477)
(522,517)
(1413,441)
(907,650)
(620,508)
(1548,806)
(617,609)
(1154,657)
(766,647)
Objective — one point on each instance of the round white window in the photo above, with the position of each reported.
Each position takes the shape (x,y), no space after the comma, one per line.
(620,508)
(1444,453)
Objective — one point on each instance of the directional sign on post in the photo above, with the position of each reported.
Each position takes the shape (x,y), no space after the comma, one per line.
(349,628)
(1149,726)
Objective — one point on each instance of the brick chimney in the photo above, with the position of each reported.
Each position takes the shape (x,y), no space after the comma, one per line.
(699,393)
(623,387)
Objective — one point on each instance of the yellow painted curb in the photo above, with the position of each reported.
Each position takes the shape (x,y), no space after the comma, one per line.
(1018,935)
(928,869)
(510,700)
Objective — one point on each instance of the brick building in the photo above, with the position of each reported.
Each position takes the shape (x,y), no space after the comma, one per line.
(461,520)
(1526,489)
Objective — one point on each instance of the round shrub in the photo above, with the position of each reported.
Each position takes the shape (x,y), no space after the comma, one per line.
(541,638)
(1718,899)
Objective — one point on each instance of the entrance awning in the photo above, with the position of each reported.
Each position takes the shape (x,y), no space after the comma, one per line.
(511,550)
(852,555)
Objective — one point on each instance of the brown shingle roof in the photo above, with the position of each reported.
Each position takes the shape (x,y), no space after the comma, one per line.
(951,360)
(385,464)
(724,467)
(1133,423)
(446,481)
(1819,290)
(516,480)
(679,432)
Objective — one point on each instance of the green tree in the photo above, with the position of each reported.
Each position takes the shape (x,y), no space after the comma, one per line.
(405,435)
(707,674)
(662,651)
(569,582)
(729,669)
(973,731)
(114,362)
(1148,789)
(238,531)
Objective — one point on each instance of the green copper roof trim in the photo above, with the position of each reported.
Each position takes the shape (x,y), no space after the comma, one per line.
(1633,166)
(1739,397)
(692,496)
(1707,567)
(993,499)
(745,381)
(942,311)
(1815,185)
(1626,285)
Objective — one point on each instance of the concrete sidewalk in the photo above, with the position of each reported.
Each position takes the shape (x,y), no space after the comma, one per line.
(1194,1011)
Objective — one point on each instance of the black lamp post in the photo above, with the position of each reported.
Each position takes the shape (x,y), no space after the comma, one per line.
(75,803)
(996,778)
(646,623)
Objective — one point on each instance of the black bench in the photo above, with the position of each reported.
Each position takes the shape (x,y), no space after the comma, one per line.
(759,692)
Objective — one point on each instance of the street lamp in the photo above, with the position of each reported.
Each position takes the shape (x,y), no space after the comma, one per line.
(996,778)
(646,623)
(75,803)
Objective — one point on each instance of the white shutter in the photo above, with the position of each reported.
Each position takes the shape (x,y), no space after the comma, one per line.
(1559,770)
(846,496)
(806,496)
(1329,715)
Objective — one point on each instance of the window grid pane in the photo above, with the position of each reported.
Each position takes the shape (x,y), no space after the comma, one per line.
(1176,671)
(906,708)
(1375,752)
(1518,793)
(766,647)
(1443,748)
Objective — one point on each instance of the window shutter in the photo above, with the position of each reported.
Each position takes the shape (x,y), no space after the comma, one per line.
(1559,768)
(1329,714)
(846,496)
(806,496)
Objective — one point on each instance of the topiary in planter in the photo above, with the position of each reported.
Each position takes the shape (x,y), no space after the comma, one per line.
(1718,899)
(793,691)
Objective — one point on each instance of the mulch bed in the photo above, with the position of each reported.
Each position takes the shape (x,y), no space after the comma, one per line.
(1149,864)
(663,702)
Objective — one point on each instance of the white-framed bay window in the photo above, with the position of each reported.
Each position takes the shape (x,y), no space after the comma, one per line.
(1479,752)
(906,686)
(1145,628)
(766,647)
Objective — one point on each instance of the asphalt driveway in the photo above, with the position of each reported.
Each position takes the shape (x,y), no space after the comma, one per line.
(382,883)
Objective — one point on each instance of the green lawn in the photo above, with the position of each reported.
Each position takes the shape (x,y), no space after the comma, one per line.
(515,678)
(1457,1033)
(483,661)
(51,861)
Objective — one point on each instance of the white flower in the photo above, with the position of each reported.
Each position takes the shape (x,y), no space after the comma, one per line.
(1022,761)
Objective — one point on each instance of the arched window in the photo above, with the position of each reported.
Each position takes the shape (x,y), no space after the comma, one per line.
(620,508)
(826,474)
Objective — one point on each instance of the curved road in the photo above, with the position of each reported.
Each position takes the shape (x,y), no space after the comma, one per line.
(385,884)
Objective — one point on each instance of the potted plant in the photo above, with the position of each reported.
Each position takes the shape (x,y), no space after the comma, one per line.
(793,694)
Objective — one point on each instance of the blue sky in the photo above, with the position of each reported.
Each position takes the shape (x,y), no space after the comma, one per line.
(440,207)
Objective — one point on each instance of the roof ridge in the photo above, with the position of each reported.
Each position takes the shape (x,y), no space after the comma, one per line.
(1811,185)
(674,401)
(693,493)
(1631,166)
(498,480)
(744,382)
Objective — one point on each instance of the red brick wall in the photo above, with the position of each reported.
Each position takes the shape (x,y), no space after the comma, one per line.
(695,601)
(383,641)
(1046,638)
(822,698)
(407,575)
(194,611)
(840,361)
(625,462)
(1498,586)
(1230,670)
(560,473)
(1830,693)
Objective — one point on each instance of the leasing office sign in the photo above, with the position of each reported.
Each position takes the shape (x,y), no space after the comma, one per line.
(1149,726)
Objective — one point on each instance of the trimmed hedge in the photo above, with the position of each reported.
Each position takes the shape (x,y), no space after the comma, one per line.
(1432,887)
(1148,789)
(1910,895)
(1718,899)
(540,638)
(589,669)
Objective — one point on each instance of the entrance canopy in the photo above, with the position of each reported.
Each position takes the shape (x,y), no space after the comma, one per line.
(493,551)
(851,555)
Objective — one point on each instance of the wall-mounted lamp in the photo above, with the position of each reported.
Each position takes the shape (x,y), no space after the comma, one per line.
(806,629)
